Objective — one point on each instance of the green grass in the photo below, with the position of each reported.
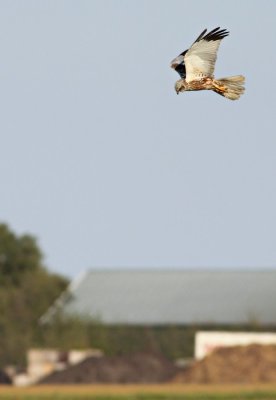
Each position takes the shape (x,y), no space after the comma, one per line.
(141,392)
(250,395)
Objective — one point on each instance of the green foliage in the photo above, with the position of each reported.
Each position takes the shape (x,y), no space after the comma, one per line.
(171,341)
(27,289)
(18,255)
(65,334)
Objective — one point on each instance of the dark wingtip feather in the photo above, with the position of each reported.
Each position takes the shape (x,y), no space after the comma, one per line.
(201,35)
(183,53)
(215,34)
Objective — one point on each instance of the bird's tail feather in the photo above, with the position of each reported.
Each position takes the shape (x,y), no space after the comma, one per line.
(231,87)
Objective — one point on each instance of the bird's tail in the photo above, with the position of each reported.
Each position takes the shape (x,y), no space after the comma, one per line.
(231,88)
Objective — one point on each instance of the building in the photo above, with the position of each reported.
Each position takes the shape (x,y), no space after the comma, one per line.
(207,342)
(171,296)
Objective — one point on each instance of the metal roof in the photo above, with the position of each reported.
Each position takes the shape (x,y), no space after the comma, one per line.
(165,296)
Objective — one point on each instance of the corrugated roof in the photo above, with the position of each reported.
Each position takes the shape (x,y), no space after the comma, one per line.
(175,296)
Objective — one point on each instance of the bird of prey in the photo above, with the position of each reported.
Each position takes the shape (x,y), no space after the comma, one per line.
(196,67)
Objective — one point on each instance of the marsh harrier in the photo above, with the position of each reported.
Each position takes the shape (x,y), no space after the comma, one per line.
(196,67)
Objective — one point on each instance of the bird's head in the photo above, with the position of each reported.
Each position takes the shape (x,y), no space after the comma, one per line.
(178,86)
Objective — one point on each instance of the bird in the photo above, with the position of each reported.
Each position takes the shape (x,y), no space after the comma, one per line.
(196,67)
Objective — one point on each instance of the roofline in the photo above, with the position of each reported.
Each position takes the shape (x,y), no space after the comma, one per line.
(59,302)
(73,285)
(177,269)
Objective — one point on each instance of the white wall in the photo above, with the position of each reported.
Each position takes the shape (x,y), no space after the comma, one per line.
(206,342)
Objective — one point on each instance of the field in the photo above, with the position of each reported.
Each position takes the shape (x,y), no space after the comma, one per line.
(141,392)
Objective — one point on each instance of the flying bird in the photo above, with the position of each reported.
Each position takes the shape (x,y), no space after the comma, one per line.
(196,67)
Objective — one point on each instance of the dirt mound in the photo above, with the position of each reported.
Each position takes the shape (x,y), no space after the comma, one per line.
(241,364)
(137,368)
(4,378)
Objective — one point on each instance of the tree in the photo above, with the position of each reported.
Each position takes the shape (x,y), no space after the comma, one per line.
(18,255)
(27,289)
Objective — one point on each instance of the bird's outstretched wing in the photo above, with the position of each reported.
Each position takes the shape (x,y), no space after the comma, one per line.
(179,65)
(199,60)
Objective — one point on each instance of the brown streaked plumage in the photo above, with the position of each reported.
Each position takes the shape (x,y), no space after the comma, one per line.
(196,67)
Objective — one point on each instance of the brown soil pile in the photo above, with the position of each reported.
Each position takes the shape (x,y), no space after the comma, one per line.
(4,378)
(241,364)
(137,368)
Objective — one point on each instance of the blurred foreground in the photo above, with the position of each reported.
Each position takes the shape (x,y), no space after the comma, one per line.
(142,392)
(252,364)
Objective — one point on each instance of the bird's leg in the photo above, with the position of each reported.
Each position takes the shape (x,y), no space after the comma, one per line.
(219,88)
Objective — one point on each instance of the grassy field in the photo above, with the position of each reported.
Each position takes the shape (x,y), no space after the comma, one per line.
(141,392)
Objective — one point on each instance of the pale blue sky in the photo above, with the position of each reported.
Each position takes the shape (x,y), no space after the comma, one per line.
(106,165)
